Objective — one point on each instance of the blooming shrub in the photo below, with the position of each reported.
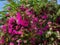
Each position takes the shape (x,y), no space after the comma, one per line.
(30,22)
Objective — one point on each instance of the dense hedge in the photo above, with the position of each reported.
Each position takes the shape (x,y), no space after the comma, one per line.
(30,22)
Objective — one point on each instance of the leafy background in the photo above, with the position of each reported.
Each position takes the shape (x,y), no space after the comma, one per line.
(3,2)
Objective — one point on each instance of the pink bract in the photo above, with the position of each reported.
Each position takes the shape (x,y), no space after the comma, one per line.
(11,43)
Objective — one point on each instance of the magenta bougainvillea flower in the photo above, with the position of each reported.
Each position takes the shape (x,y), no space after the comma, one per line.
(40,32)
(44,17)
(18,16)
(10,30)
(22,8)
(28,12)
(4,27)
(20,20)
(24,22)
(11,20)
(2,40)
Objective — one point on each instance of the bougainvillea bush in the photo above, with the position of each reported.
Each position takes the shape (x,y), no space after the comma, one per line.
(30,22)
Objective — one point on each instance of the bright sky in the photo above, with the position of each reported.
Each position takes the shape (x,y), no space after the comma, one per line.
(58,1)
(2,3)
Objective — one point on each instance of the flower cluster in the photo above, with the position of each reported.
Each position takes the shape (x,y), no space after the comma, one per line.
(27,27)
